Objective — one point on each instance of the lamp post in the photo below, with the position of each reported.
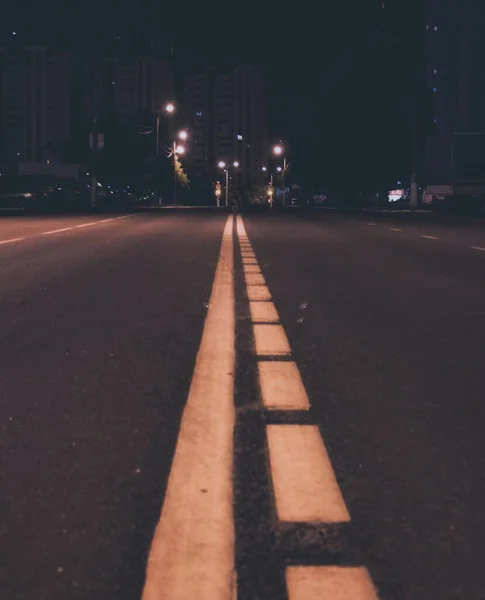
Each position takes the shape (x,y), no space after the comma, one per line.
(278,150)
(222,165)
(176,150)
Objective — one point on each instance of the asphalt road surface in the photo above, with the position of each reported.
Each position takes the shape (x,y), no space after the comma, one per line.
(101,320)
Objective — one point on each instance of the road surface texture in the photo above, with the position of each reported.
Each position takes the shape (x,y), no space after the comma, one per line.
(100,327)
(356,346)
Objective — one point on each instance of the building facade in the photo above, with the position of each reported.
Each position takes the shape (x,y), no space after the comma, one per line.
(35,105)
(126,87)
(228,114)
(455,81)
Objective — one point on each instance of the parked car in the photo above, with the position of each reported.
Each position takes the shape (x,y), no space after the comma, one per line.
(28,193)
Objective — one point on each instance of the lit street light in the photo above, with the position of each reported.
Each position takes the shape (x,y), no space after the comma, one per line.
(264,169)
(183,135)
(278,150)
(179,149)
(170,108)
(222,165)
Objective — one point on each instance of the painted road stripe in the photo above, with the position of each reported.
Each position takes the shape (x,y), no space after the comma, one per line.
(249,261)
(192,554)
(304,482)
(255,279)
(429,237)
(57,231)
(372,224)
(11,241)
(281,386)
(251,269)
(263,312)
(334,583)
(270,340)
(258,293)
(395,229)
(479,248)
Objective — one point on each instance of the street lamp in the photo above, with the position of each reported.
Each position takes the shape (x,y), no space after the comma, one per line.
(170,108)
(177,149)
(222,165)
(278,150)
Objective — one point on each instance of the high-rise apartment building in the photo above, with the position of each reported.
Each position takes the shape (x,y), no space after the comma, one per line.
(229,122)
(135,86)
(455,79)
(35,105)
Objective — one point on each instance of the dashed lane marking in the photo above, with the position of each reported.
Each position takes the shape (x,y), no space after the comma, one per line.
(334,583)
(479,248)
(11,241)
(429,237)
(57,231)
(304,482)
(258,293)
(192,554)
(263,312)
(372,224)
(90,224)
(395,229)
(270,340)
(251,269)
(281,386)
(255,279)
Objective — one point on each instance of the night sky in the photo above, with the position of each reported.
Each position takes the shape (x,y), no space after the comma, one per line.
(341,74)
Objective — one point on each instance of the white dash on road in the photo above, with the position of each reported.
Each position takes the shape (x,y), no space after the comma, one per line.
(251,269)
(479,248)
(19,239)
(192,554)
(372,224)
(57,231)
(429,237)
(304,482)
(270,340)
(334,583)
(258,293)
(395,229)
(263,312)
(255,279)
(281,386)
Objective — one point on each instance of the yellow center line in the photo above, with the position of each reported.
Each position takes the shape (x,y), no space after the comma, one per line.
(192,554)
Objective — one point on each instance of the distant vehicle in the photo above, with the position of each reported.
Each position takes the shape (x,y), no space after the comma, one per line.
(29,193)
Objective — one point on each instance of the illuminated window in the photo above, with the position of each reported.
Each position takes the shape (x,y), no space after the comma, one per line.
(239,137)
(436,27)
(435,90)
(435,71)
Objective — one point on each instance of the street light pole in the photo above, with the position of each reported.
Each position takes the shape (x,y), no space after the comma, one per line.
(158,134)
(227,187)
(174,152)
